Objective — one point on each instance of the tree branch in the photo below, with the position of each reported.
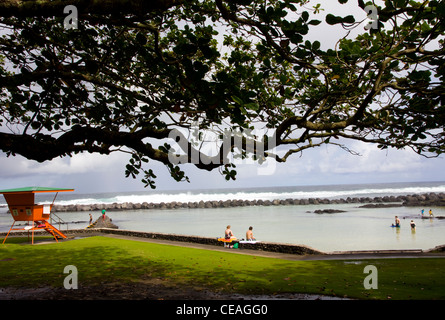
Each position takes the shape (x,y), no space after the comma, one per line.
(47,8)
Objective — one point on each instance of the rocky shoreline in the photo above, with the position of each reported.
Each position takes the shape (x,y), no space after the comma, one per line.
(420,200)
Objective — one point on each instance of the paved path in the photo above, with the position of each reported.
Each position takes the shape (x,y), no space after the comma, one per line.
(346,255)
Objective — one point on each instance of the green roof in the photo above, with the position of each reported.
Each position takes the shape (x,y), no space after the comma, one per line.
(34,190)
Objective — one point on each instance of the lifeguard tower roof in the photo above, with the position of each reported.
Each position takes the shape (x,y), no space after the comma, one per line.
(34,190)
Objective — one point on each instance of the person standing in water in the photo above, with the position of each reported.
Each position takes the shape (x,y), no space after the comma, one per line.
(397,221)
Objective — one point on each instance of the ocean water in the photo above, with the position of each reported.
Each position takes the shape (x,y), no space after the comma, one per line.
(355,229)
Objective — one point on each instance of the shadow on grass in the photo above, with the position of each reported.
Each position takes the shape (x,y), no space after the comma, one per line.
(43,265)
(301,277)
(102,261)
(98,262)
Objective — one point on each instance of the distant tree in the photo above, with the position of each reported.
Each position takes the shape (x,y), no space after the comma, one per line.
(133,72)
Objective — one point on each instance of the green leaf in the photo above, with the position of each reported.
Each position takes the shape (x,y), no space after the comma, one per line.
(349,19)
(316,45)
(141,39)
(238,100)
(420,75)
(399,3)
(440,10)
(314,22)
(252,106)
(331,19)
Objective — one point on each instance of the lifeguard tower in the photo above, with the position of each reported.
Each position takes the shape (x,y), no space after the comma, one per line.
(21,203)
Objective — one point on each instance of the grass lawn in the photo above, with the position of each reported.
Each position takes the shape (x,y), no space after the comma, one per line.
(102,259)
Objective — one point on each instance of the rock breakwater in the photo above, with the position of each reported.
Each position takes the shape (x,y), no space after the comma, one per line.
(103,222)
(421,200)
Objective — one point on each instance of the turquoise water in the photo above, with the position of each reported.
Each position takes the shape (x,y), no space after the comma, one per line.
(355,229)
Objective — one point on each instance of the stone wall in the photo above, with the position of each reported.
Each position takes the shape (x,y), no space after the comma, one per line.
(261,246)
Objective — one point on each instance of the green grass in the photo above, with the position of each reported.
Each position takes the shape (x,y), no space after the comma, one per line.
(102,259)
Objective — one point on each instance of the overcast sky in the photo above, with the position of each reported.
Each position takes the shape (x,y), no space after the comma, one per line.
(325,165)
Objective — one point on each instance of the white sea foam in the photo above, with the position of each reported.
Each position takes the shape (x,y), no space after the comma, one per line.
(252,194)
(354,229)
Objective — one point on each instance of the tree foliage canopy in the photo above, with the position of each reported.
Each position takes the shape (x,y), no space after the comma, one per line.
(131,73)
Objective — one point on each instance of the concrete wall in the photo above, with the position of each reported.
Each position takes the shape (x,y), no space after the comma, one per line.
(262,246)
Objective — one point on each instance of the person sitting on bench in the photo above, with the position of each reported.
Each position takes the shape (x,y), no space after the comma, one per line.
(249,234)
(229,234)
